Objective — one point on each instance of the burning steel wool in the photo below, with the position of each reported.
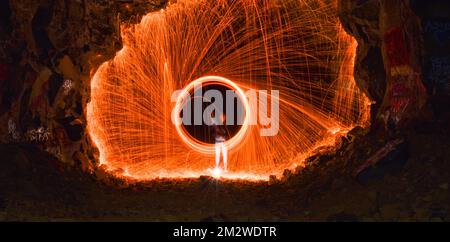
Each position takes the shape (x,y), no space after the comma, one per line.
(295,48)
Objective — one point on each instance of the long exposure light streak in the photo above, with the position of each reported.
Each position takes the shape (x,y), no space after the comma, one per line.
(295,46)
(201,146)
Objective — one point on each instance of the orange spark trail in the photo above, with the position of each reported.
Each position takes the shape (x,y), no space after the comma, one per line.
(295,46)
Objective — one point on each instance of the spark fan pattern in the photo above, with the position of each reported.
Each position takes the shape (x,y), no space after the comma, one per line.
(295,46)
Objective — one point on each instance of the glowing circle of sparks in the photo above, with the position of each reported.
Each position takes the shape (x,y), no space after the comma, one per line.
(203,147)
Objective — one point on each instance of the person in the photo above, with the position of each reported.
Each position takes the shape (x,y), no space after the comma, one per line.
(220,134)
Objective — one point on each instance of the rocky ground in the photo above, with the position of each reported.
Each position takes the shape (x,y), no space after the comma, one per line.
(410,183)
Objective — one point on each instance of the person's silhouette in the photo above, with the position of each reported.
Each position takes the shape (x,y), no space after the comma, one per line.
(220,134)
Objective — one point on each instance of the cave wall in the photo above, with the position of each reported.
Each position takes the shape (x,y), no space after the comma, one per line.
(50,48)
(435,25)
(402,59)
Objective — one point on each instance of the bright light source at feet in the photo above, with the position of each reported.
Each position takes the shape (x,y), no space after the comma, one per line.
(217,172)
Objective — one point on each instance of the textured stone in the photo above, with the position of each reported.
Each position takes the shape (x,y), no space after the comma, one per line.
(361,19)
(61,41)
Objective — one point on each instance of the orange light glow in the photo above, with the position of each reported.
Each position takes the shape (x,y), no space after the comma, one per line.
(295,46)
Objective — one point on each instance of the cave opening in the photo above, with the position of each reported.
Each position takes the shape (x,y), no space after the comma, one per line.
(297,48)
